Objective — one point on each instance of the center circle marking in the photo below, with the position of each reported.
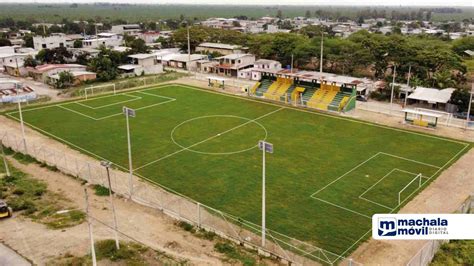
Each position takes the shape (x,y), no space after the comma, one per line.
(189,148)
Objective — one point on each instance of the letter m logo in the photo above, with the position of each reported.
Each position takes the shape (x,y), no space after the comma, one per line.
(387,227)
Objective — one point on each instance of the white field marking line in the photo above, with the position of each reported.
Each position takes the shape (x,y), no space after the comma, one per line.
(376,203)
(337,179)
(349,248)
(218,153)
(109,116)
(155,95)
(321,114)
(93,98)
(207,139)
(341,207)
(361,196)
(273,104)
(466,145)
(77,112)
(422,185)
(393,170)
(135,98)
(415,161)
(184,196)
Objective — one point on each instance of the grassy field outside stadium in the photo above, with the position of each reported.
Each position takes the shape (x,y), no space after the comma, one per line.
(327,176)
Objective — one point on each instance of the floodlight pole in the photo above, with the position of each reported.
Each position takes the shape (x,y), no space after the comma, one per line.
(263,196)
(408,85)
(130,166)
(265,147)
(189,50)
(7,170)
(91,235)
(107,165)
(22,127)
(469,106)
(393,87)
(321,58)
(291,63)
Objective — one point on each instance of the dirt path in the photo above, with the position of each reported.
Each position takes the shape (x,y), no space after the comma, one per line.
(444,195)
(146,225)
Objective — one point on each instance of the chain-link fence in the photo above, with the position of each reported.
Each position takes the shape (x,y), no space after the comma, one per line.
(396,110)
(174,204)
(426,254)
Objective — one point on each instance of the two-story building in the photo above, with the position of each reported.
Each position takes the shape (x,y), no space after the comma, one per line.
(106,39)
(50,42)
(141,64)
(221,48)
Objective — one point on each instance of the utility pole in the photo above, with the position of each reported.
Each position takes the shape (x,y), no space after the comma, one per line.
(291,63)
(321,59)
(129,113)
(469,106)
(265,147)
(7,169)
(189,50)
(393,86)
(91,235)
(22,126)
(408,85)
(107,165)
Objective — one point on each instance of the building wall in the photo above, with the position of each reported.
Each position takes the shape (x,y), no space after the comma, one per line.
(49,42)
(218,50)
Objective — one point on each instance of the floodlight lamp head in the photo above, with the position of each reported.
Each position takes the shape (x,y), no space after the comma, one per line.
(106,164)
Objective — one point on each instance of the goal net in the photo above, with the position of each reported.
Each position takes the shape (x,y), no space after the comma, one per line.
(96,90)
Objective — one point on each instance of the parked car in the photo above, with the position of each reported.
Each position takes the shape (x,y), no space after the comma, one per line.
(361,98)
(463,115)
(5,211)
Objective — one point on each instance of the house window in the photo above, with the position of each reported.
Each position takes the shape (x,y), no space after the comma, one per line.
(43,45)
(61,44)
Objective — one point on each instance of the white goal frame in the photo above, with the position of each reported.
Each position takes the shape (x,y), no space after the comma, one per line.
(91,89)
(419,177)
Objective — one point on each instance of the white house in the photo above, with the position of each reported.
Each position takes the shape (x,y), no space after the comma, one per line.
(142,64)
(130,29)
(49,42)
(103,39)
(260,66)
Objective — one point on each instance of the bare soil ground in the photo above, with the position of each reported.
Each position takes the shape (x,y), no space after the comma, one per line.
(150,227)
(444,195)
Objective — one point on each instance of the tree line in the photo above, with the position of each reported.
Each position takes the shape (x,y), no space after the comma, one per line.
(433,62)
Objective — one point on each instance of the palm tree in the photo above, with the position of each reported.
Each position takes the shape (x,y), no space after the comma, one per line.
(443,80)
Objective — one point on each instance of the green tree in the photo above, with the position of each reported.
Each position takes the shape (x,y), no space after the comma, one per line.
(30,61)
(77,44)
(462,44)
(65,80)
(5,42)
(460,97)
(28,39)
(59,55)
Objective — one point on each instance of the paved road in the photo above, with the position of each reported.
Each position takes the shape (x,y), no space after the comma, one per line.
(8,257)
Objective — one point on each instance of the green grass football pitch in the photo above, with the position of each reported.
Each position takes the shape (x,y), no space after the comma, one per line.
(327,176)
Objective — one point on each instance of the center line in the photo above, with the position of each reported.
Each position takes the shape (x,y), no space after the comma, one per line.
(210,138)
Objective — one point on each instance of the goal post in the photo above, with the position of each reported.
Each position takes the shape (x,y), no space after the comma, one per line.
(100,89)
(418,178)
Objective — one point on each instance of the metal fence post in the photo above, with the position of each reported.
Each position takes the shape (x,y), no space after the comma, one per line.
(89,171)
(77,168)
(199,214)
